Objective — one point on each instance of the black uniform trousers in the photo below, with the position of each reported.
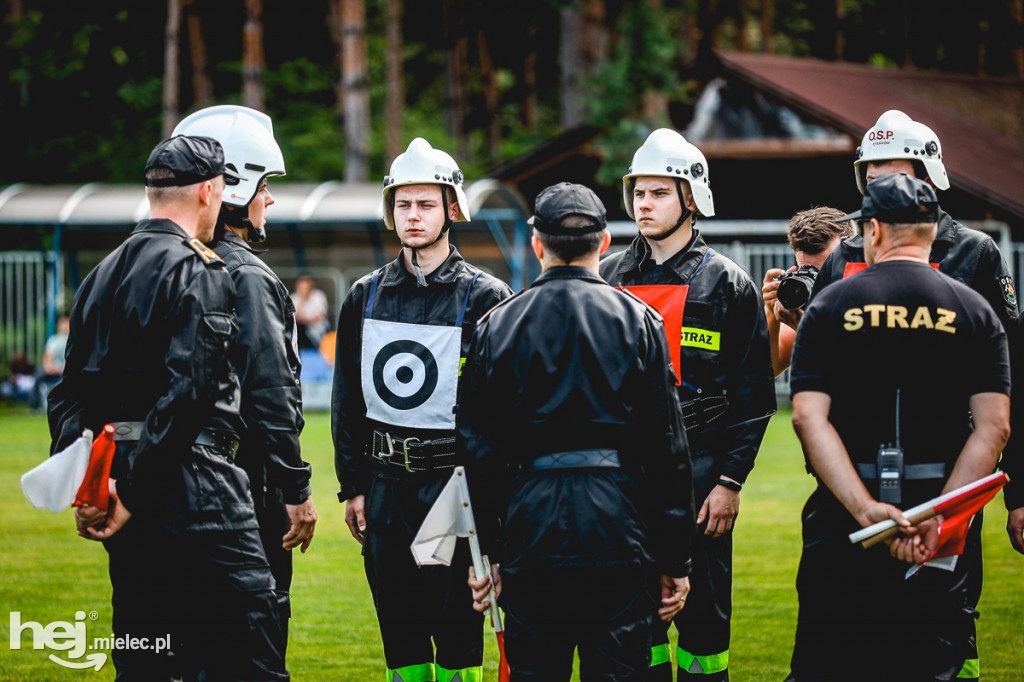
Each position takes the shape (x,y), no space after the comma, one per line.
(274,524)
(418,605)
(606,614)
(860,619)
(210,592)
(703,624)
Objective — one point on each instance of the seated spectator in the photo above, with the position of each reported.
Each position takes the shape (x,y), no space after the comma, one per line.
(310,312)
(20,385)
(53,363)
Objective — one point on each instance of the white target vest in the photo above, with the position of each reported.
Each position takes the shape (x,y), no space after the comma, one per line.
(410,372)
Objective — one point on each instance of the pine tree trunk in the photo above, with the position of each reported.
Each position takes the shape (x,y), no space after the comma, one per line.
(395,89)
(171,72)
(202,89)
(489,83)
(456,75)
(353,95)
(253,61)
(530,77)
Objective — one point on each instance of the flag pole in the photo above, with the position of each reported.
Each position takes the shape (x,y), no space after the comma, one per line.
(482,566)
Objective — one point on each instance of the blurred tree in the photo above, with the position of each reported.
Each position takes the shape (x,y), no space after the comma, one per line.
(171,70)
(253,60)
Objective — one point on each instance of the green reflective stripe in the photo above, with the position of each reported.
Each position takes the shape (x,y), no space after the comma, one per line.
(714,663)
(474,674)
(971,669)
(424,672)
(660,654)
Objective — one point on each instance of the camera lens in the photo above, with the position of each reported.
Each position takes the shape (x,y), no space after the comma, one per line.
(795,287)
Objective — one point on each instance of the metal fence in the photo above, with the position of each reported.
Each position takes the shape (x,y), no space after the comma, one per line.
(29,282)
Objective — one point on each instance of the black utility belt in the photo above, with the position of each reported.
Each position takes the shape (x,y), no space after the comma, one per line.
(412,454)
(868,471)
(703,411)
(222,440)
(575,459)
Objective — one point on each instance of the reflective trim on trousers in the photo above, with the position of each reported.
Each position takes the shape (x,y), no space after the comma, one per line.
(660,655)
(474,674)
(422,672)
(713,663)
(971,669)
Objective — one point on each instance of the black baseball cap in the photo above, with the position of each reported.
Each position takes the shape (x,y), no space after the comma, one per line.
(897,198)
(568,199)
(190,158)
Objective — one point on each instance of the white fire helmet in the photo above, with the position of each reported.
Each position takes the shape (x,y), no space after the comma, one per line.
(247,136)
(421,164)
(897,136)
(667,154)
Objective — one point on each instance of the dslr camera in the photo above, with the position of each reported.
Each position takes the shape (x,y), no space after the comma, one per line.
(795,287)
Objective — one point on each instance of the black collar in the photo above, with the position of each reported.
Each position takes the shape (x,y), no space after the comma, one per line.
(395,273)
(568,272)
(684,263)
(230,237)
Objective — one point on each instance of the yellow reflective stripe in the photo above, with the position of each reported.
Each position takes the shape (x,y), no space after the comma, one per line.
(971,669)
(462,361)
(660,654)
(423,672)
(474,674)
(701,338)
(713,663)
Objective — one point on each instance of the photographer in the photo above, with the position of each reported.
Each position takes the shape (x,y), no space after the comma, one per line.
(812,235)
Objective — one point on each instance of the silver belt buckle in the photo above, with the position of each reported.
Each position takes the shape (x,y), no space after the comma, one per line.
(405,452)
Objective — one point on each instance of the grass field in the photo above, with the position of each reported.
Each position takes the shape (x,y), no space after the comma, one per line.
(48,573)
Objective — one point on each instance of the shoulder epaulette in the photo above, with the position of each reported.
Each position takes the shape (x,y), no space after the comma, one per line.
(207,254)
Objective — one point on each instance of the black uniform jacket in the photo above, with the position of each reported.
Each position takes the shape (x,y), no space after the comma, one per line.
(721,299)
(966,255)
(151,333)
(573,364)
(971,257)
(398,300)
(268,367)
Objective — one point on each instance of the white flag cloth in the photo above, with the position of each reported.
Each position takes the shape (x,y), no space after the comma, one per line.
(54,483)
(450,518)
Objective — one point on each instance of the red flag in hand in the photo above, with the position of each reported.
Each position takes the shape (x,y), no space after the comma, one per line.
(956,514)
(95,488)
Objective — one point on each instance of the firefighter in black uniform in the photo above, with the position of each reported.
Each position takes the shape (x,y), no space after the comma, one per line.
(402,334)
(267,363)
(718,338)
(152,328)
(573,437)
(882,435)
(898,144)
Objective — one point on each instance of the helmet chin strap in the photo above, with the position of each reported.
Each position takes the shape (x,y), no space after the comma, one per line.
(686,213)
(233,217)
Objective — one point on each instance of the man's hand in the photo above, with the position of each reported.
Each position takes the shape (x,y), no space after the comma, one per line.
(769,289)
(482,587)
(919,542)
(919,547)
(87,516)
(720,510)
(117,516)
(1015,527)
(790,318)
(673,596)
(303,523)
(354,517)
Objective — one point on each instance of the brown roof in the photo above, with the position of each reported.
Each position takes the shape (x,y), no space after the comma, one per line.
(979,120)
